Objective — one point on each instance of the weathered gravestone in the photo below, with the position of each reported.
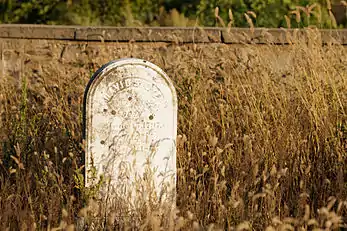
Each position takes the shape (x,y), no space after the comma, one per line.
(130,115)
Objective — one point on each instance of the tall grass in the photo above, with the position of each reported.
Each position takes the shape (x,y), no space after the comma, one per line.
(262,137)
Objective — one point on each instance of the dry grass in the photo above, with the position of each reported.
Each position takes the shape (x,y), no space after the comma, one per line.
(262,138)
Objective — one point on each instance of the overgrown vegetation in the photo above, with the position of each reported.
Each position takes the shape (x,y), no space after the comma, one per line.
(262,136)
(269,13)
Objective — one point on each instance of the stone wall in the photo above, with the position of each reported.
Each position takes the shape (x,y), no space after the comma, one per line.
(56,54)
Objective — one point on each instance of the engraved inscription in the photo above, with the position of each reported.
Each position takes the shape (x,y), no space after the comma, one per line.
(120,85)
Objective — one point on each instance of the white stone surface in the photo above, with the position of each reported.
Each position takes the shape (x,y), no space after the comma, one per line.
(131,125)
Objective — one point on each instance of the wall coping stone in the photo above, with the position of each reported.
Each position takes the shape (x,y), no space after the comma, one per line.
(172,34)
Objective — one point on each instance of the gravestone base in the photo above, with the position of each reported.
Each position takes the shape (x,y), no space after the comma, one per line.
(114,219)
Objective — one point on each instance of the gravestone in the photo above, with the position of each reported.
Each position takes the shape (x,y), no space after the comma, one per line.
(130,119)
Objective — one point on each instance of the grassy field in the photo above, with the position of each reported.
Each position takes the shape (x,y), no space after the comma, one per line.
(262,137)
